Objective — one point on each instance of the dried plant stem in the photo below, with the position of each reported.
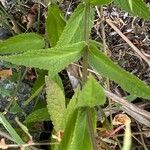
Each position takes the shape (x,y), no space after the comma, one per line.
(30,144)
(109,21)
(142,138)
(137,113)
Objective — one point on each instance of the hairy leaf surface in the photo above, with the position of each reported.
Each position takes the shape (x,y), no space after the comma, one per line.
(135,7)
(54,24)
(99,2)
(74,29)
(52,59)
(38,116)
(92,94)
(21,43)
(103,65)
(55,103)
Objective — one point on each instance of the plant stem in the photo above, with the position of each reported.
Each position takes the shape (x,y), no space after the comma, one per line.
(85,72)
(91,128)
(86,38)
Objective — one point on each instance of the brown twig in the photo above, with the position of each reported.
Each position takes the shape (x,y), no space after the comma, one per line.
(137,113)
(30,144)
(109,21)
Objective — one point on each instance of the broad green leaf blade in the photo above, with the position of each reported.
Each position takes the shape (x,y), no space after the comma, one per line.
(103,65)
(74,29)
(99,2)
(57,79)
(52,59)
(81,139)
(38,115)
(21,43)
(55,103)
(11,130)
(135,7)
(69,131)
(54,24)
(76,135)
(92,94)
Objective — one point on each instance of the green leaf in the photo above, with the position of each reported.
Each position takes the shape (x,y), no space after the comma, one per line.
(37,87)
(69,131)
(23,127)
(15,108)
(21,43)
(57,80)
(99,2)
(36,93)
(54,24)
(74,30)
(55,103)
(103,65)
(76,135)
(11,130)
(135,7)
(130,98)
(71,107)
(81,139)
(52,59)
(38,115)
(4,92)
(92,94)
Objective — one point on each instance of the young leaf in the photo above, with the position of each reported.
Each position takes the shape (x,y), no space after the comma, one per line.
(38,115)
(21,43)
(74,30)
(135,7)
(55,103)
(92,94)
(54,24)
(103,65)
(10,130)
(52,59)
(99,2)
